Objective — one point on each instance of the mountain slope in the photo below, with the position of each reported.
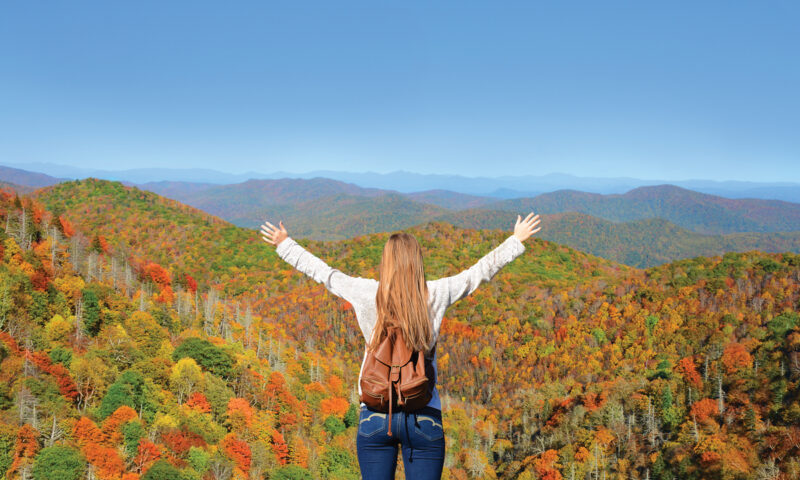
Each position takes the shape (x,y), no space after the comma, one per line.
(699,212)
(159,229)
(148,227)
(242,203)
(640,243)
(449,199)
(644,242)
(625,228)
(20,189)
(25,178)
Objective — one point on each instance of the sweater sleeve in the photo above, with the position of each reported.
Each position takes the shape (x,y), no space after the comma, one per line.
(335,281)
(460,285)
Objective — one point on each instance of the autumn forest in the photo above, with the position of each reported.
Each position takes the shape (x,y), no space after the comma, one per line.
(142,338)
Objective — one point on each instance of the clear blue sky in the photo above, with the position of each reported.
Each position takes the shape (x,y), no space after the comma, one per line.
(669,90)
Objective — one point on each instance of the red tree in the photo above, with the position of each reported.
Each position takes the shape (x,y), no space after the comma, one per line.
(237,450)
(279,447)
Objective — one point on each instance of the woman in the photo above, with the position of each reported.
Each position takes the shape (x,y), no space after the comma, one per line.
(404,298)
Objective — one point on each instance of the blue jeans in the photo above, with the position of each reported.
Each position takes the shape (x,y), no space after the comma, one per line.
(420,433)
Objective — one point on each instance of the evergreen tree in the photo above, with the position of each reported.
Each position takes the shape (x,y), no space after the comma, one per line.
(351,415)
(91,312)
(206,354)
(130,389)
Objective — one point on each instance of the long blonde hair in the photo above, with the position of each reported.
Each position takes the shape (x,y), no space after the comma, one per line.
(402,297)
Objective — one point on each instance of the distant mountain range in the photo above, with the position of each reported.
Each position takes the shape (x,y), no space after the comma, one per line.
(318,201)
(642,227)
(505,187)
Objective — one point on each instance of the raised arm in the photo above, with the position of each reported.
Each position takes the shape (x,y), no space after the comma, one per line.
(460,285)
(294,254)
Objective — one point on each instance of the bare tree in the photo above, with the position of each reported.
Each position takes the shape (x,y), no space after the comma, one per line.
(768,471)
(220,467)
(54,237)
(651,424)
(23,230)
(55,434)
(26,407)
(247,323)
(77,250)
(79,320)
(208,312)
(91,266)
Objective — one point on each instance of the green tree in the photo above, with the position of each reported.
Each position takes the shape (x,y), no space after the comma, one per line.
(660,469)
(6,400)
(338,463)
(292,472)
(206,354)
(130,389)
(58,463)
(6,453)
(91,312)
(40,308)
(198,459)
(62,356)
(162,316)
(650,322)
(783,323)
(162,470)
(750,419)
(351,415)
(132,433)
(599,335)
(666,397)
(334,425)
(218,394)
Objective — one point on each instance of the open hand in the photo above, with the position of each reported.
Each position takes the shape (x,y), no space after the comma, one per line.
(524,228)
(273,235)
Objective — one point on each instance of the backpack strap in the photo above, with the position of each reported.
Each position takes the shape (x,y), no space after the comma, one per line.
(391,387)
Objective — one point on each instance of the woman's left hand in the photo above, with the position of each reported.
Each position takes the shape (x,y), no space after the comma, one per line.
(273,235)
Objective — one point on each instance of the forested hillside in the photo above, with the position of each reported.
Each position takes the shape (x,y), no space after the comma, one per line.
(698,212)
(645,227)
(141,338)
(641,243)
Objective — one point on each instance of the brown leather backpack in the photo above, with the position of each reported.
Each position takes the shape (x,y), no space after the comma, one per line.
(395,378)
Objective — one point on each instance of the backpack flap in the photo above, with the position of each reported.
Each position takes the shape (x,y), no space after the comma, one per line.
(375,383)
(415,389)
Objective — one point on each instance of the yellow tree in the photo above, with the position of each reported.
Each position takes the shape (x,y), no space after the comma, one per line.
(186,376)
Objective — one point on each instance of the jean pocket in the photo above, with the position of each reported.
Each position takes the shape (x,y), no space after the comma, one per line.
(429,427)
(371,423)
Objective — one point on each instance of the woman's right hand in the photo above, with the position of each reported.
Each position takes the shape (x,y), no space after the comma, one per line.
(524,228)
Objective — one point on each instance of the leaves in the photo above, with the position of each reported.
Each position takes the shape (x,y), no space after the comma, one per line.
(562,364)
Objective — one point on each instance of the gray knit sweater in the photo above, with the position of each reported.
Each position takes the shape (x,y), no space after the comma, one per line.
(361,292)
